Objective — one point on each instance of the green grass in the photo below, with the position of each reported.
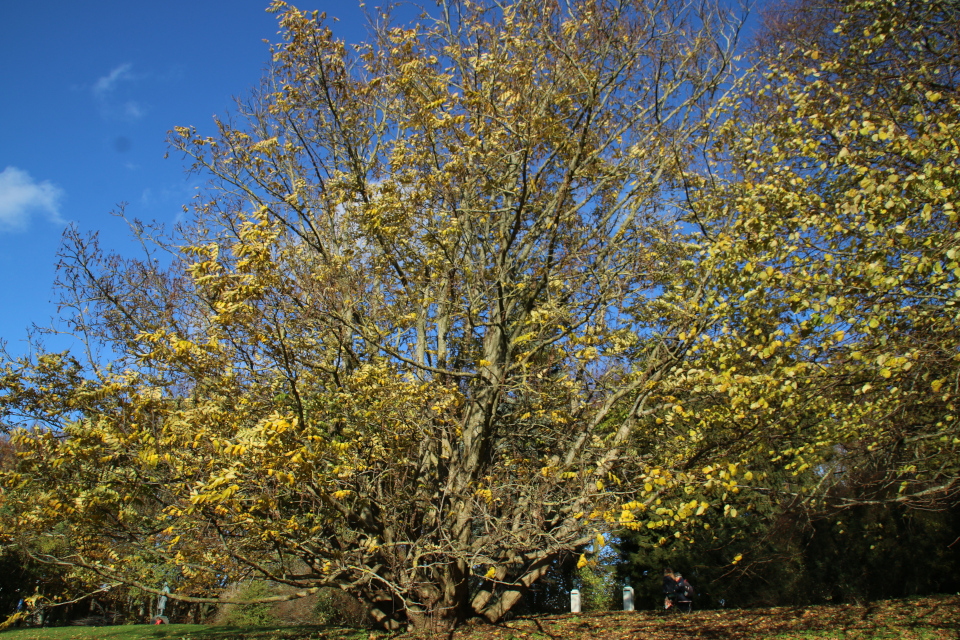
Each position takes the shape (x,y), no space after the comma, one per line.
(184,632)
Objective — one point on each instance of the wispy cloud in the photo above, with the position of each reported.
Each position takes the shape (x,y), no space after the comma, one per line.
(21,197)
(109,82)
(132,110)
(108,92)
(172,197)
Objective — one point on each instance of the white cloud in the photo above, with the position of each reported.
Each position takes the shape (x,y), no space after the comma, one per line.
(21,197)
(132,110)
(108,83)
(113,97)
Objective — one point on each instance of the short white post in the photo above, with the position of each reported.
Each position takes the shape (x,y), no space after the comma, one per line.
(628,598)
(575,601)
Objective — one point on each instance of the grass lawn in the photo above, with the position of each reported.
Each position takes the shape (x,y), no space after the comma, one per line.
(932,618)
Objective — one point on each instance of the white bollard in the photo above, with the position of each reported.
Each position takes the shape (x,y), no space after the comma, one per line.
(628,598)
(575,601)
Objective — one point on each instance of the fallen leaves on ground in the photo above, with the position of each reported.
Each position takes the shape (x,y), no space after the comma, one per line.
(930,618)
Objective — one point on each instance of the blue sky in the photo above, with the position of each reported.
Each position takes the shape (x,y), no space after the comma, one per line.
(89,91)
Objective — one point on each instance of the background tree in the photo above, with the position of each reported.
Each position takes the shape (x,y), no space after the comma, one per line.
(407,340)
(780,557)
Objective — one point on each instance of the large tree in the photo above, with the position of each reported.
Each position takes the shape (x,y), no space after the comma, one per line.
(832,369)
(836,249)
(406,342)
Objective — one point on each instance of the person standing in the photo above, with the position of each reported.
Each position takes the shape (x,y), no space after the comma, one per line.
(19,612)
